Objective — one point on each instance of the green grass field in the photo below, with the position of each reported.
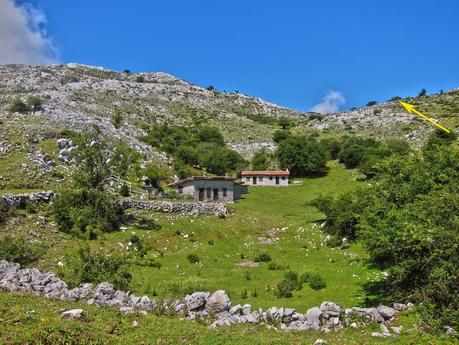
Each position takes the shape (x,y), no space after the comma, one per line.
(220,244)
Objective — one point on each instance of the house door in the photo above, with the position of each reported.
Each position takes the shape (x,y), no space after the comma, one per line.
(254,180)
(277,179)
(201,194)
(215,194)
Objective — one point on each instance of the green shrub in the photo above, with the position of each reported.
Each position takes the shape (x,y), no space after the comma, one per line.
(140,79)
(297,283)
(34,103)
(316,282)
(89,267)
(244,294)
(284,289)
(124,190)
(247,275)
(260,160)
(280,135)
(18,106)
(193,258)
(263,257)
(117,119)
(84,213)
(17,249)
(371,103)
(273,266)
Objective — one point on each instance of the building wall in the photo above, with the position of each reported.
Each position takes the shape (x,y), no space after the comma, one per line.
(192,188)
(264,180)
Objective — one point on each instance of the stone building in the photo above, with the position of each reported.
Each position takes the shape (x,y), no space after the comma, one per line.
(211,188)
(274,178)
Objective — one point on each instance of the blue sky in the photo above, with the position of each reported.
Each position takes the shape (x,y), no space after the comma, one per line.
(289,52)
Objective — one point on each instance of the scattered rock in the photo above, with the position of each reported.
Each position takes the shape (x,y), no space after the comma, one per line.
(320,341)
(72,314)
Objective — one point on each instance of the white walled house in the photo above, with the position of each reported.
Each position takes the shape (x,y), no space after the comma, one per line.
(274,178)
(210,188)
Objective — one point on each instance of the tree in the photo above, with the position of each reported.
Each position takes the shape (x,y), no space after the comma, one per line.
(140,79)
(156,172)
(332,146)
(210,135)
(422,92)
(93,161)
(34,103)
(284,122)
(260,160)
(187,154)
(371,103)
(210,88)
(219,160)
(301,155)
(18,106)
(280,134)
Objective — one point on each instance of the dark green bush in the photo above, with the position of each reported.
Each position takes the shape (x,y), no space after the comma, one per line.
(140,79)
(301,155)
(371,103)
(260,160)
(193,258)
(316,282)
(17,249)
(124,190)
(273,266)
(18,106)
(284,288)
(280,135)
(34,103)
(85,213)
(89,267)
(263,257)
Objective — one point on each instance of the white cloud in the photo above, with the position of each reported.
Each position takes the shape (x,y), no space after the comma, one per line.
(330,103)
(22,35)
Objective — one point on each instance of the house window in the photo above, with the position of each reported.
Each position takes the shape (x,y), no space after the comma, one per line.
(261,178)
(270,178)
(180,189)
(209,193)
(225,191)
(247,178)
(283,177)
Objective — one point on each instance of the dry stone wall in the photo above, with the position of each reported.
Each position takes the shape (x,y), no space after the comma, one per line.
(20,200)
(214,308)
(187,208)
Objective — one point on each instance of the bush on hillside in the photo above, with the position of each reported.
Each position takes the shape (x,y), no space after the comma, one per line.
(332,146)
(301,155)
(262,257)
(371,103)
(280,135)
(19,250)
(98,267)
(260,160)
(86,213)
(212,135)
(18,106)
(34,103)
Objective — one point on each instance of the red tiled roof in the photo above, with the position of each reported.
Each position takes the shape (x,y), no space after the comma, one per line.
(267,172)
(192,178)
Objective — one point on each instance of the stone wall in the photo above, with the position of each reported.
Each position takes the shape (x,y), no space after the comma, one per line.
(187,208)
(215,309)
(20,200)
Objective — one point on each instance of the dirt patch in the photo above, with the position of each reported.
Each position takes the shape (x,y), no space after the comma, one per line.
(271,236)
(248,263)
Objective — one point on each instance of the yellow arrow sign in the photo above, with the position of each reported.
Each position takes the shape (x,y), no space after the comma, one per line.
(410,109)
